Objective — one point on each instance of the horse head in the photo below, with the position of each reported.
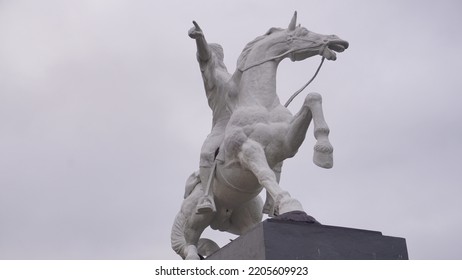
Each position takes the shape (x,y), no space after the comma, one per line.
(294,42)
(305,43)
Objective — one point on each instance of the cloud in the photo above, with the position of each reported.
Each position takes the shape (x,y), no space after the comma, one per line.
(103,113)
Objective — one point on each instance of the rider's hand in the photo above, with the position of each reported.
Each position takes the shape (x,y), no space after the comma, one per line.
(196,31)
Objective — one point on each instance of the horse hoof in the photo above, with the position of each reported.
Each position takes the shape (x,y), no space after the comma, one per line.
(289,205)
(323,155)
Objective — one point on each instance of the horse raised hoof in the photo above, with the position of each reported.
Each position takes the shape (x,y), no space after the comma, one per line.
(323,154)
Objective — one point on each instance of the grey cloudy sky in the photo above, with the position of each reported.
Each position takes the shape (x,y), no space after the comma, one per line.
(103,113)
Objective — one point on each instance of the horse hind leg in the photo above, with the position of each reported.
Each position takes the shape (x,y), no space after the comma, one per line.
(252,156)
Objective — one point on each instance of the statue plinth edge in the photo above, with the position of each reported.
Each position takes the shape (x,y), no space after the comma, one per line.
(281,239)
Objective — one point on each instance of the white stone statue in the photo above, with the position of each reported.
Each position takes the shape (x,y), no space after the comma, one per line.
(252,134)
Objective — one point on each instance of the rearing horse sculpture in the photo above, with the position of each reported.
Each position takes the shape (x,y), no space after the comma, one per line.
(260,135)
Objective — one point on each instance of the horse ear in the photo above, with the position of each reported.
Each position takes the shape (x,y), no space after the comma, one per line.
(293,22)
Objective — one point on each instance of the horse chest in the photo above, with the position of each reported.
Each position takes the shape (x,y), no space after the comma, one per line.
(264,133)
(258,124)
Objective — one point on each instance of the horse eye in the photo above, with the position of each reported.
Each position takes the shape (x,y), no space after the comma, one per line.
(301,32)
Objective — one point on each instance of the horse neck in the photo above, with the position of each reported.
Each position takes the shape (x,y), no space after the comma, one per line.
(257,86)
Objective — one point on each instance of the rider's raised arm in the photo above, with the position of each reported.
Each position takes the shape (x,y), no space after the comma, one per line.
(203,50)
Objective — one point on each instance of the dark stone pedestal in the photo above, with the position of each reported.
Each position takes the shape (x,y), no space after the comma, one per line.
(287,240)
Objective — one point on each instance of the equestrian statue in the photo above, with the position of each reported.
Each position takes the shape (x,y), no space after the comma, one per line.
(252,134)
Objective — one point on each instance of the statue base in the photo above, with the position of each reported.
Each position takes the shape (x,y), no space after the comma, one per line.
(275,239)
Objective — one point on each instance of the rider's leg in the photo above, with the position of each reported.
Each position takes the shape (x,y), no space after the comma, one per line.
(206,202)
(207,159)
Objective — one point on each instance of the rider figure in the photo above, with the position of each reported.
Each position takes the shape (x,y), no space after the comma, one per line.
(216,82)
(219,88)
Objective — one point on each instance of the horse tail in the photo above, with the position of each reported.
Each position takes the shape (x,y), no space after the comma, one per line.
(177,238)
(205,246)
(178,241)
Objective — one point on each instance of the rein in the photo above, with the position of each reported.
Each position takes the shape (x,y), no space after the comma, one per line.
(303,87)
(265,60)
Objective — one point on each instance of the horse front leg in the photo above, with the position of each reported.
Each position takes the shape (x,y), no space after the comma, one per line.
(252,157)
(311,110)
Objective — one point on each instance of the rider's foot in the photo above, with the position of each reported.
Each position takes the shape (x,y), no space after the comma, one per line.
(206,205)
(322,156)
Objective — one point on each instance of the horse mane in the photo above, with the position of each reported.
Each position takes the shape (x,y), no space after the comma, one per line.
(241,61)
